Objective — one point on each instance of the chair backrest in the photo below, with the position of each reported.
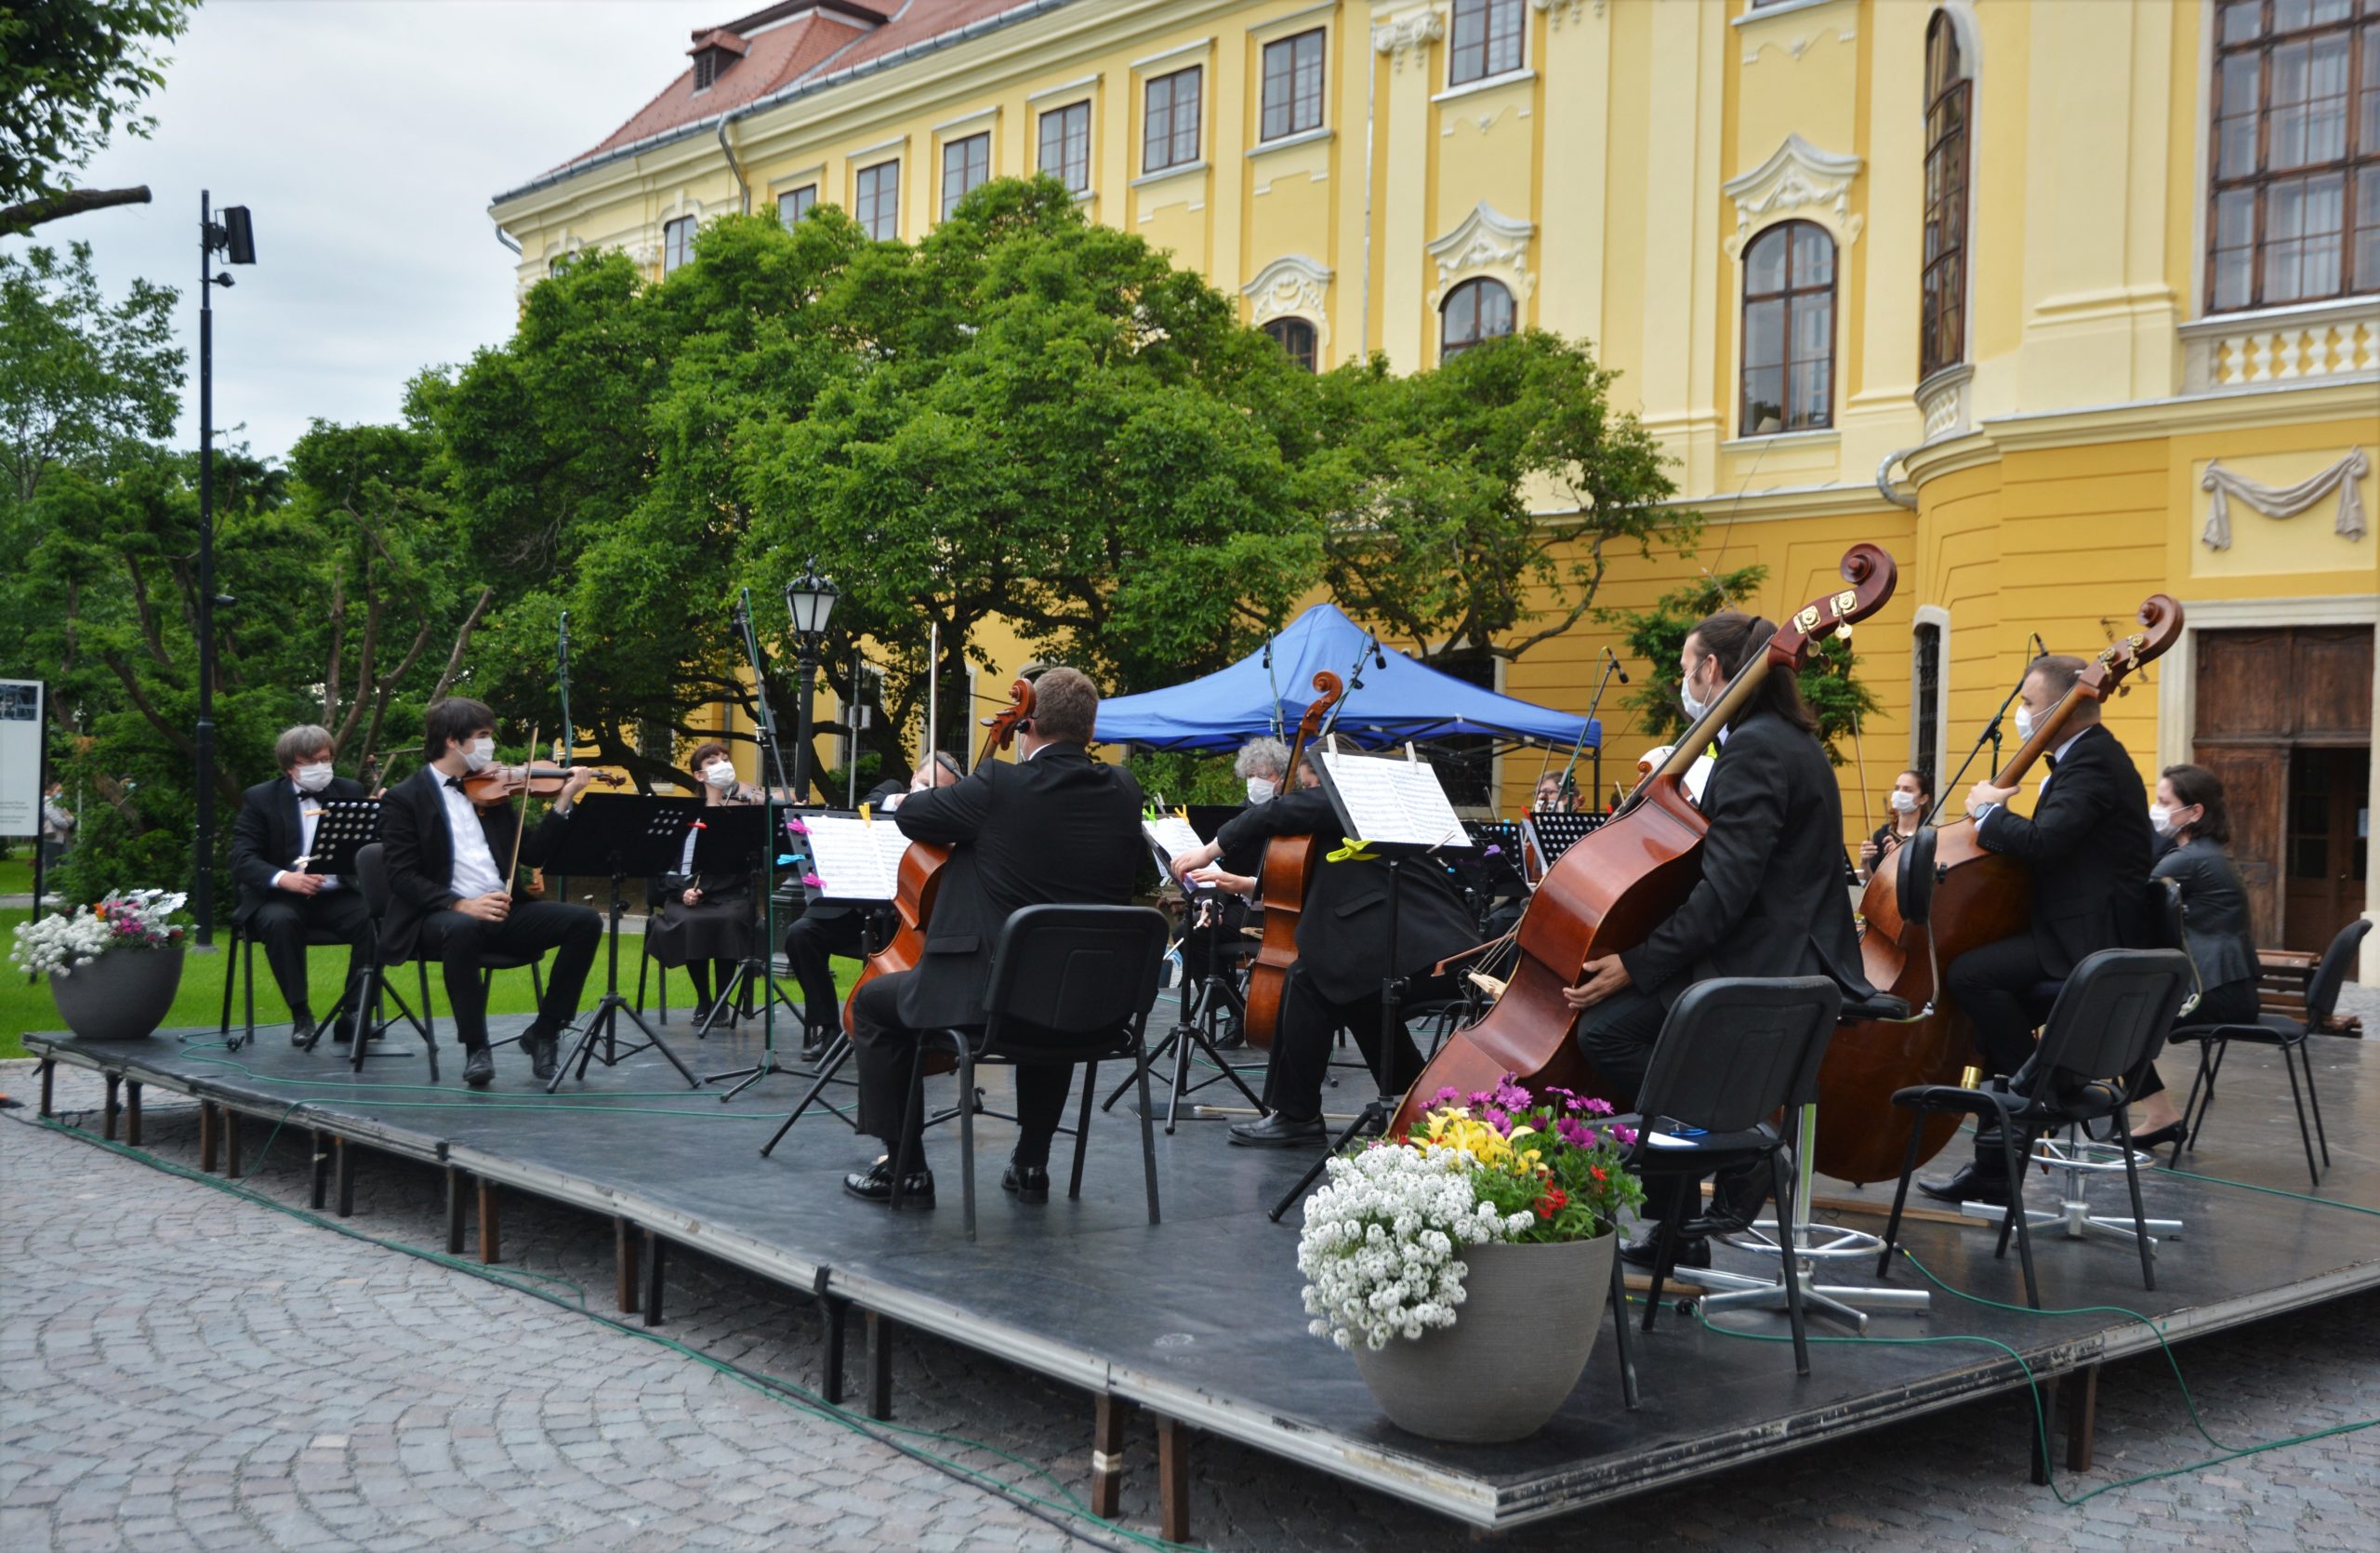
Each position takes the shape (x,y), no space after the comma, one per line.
(1076,970)
(2165,915)
(372,878)
(2323,992)
(2112,1016)
(1735,1049)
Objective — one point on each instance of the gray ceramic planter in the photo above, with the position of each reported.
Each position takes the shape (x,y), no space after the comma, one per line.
(1519,1342)
(123,995)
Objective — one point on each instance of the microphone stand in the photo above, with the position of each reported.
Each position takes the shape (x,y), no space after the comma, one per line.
(764,726)
(1991,735)
(1611,664)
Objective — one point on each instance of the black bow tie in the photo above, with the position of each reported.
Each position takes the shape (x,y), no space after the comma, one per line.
(2051,761)
(454,782)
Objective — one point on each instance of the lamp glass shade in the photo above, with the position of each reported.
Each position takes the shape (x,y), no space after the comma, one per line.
(810,601)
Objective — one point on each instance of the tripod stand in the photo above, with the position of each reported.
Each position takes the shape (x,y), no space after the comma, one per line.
(744,836)
(610,1009)
(829,1065)
(1214,990)
(620,836)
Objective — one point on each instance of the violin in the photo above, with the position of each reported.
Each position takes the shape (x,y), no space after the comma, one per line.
(921,879)
(503,784)
(1622,880)
(1977,897)
(1290,862)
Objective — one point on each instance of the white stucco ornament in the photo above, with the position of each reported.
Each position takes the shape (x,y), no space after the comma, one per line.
(1407,32)
(1486,242)
(1291,287)
(2285,501)
(1797,179)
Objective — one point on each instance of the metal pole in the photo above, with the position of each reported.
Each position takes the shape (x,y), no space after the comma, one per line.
(203,872)
(806,663)
(933,693)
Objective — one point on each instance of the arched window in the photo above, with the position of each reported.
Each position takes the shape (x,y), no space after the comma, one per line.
(1294,336)
(1789,330)
(1942,311)
(1475,310)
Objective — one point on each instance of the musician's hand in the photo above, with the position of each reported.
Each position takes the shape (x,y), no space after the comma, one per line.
(492,908)
(1187,863)
(300,884)
(1869,854)
(1605,977)
(1983,795)
(690,896)
(581,778)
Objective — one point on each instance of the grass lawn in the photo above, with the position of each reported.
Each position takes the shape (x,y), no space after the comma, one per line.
(16,876)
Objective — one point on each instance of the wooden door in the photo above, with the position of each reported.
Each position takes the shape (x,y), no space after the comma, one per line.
(2328,861)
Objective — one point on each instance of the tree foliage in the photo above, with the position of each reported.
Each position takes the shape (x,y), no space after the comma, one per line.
(78,373)
(74,72)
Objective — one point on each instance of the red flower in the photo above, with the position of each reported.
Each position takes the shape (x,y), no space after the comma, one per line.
(1552,1202)
(1596,1171)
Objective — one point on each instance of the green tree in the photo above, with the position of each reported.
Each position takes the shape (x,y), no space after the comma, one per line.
(71,73)
(1829,684)
(76,372)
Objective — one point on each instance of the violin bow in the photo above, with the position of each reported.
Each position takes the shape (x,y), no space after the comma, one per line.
(520,821)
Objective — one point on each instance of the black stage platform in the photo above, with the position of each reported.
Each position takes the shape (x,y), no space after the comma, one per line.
(1199,1320)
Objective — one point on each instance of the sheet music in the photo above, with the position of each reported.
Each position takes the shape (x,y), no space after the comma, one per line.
(1391,801)
(854,859)
(1171,835)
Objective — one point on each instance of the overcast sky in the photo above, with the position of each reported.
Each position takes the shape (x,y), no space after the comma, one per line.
(368,136)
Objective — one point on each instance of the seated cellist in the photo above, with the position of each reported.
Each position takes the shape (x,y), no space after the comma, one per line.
(1770,902)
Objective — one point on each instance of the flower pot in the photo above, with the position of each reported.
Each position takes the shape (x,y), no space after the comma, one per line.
(1520,1341)
(120,996)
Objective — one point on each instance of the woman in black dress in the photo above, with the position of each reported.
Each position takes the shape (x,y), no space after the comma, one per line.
(705,922)
(2193,826)
(1910,799)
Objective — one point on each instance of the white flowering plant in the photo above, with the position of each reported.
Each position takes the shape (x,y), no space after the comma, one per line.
(124,922)
(1382,1249)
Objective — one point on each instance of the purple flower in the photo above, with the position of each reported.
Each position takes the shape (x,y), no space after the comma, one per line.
(1498,1119)
(1574,1132)
(1598,1107)
(1480,1097)
(1627,1135)
(1510,1096)
(1447,1097)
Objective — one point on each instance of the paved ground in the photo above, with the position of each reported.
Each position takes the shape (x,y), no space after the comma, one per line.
(184,1369)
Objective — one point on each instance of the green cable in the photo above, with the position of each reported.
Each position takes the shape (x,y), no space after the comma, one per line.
(2275,1191)
(786,1392)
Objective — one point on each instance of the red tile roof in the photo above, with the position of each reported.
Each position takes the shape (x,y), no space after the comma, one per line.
(825,38)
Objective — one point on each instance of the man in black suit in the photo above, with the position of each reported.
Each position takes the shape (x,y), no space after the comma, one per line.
(1344,955)
(1770,901)
(2090,844)
(825,930)
(281,902)
(1055,826)
(450,887)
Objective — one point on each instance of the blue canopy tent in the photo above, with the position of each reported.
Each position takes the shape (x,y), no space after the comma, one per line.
(1405,700)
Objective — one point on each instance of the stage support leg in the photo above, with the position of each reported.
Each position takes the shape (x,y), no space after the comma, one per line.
(654,1249)
(343,1176)
(2081,1419)
(319,1168)
(624,1250)
(132,1112)
(879,1367)
(49,1087)
(459,1182)
(491,1223)
(1107,1455)
(232,1160)
(837,1314)
(1173,1479)
(107,1114)
(206,1136)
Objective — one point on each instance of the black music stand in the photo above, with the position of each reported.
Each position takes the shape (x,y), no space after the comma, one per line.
(761,967)
(345,827)
(1556,831)
(622,836)
(728,839)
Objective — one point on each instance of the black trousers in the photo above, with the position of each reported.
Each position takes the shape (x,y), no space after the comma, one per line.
(813,937)
(282,923)
(1996,986)
(887,1050)
(461,943)
(1310,1022)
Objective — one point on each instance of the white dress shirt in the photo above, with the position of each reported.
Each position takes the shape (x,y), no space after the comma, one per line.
(476,872)
(309,812)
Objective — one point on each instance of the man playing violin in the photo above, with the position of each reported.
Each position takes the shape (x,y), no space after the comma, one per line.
(2090,844)
(452,894)
(1770,902)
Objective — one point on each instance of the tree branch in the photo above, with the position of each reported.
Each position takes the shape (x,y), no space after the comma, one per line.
(224,785)
(23,218)
(338,642)
(462,640)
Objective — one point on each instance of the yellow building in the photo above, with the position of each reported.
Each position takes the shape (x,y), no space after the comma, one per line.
(2062,301)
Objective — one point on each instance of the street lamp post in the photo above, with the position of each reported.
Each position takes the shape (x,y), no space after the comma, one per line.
(235,239)
(810,601)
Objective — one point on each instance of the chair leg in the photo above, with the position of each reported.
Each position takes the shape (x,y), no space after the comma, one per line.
(1900,1194)
(1082,1129)
(2213,1071)
(1664,1248)
(247,991)
(2298,1099)
(1788,1262)
(2017,1163)
(429,1020)
(2314,1101)
(2139,1210)
(967,1133)
(643,964)
(230,957)
(1148,1115)
(1619,1329)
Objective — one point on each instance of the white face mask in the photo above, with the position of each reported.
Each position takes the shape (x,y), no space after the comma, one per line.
(312,778)
(479,755)
(719,775)
(1695,706)
(1261,790)
(2162,818)
(1904,803)
(2025,724)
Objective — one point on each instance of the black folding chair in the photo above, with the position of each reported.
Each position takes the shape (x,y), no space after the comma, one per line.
(372,878)
(2275,1030)
(1734,1052)
(239,964)
(1072,986)
(2109,1022)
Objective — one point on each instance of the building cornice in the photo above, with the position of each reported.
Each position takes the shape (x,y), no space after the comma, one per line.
(2342,397)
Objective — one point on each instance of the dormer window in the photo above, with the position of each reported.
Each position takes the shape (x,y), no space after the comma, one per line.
(708,64)
(714,52)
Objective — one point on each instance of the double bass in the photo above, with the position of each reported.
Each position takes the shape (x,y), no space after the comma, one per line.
(921,876)
(1622,880)
(1289,863)
(1977,897)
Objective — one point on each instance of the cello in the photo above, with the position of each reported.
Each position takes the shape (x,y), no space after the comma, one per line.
(1289,867)
(1972,898)
(921,877)
(1622,880)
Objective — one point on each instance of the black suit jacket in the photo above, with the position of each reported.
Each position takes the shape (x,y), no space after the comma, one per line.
(2089,841)
(2214,911)
(1060,829)
(267,834)
(1771,901)
(419,852)
(1343,929)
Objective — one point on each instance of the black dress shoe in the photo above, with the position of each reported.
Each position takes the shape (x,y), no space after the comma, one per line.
(1031,1183)
(542,1052)
(1693,1250)
(2169,1134)
(343,1033)
(479,1068)
(875,1185)
(301,1031)
(1279,1132)
(1968,1185)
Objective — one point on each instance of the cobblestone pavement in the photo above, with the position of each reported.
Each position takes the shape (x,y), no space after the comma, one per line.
(183,1369)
